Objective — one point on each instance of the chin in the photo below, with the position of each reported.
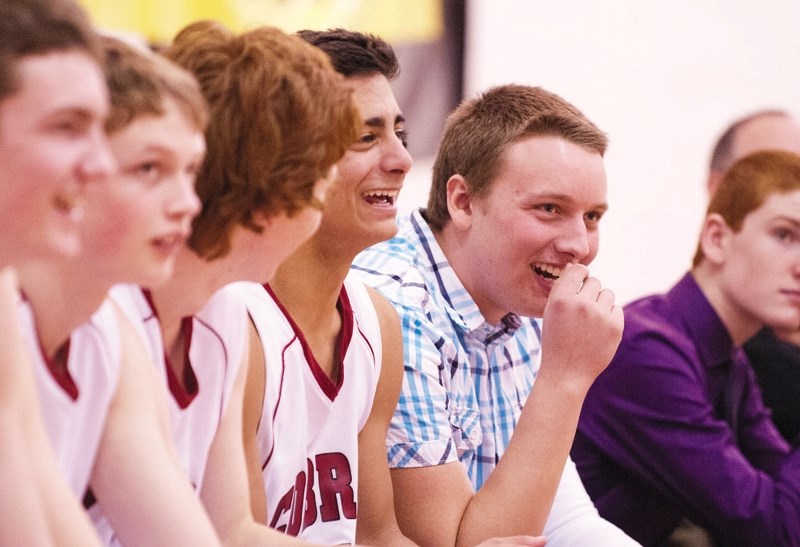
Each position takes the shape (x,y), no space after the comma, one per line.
(63,245)
(784,322)
(531,309)
(156,277)
(385,233)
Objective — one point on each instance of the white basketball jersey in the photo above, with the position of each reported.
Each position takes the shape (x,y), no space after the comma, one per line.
(308,431)
(75,389)
(216,339)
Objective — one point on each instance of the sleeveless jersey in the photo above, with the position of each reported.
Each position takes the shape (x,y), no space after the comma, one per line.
(308,431)
(216,340)
(75,399)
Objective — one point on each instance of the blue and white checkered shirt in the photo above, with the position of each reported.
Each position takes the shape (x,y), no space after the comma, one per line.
(466,380)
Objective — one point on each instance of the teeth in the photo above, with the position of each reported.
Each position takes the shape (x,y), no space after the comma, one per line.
(381,197)
(548,270)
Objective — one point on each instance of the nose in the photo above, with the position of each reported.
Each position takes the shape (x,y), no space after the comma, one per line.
(574,239)
(99,162)
(397,160)
(185,201)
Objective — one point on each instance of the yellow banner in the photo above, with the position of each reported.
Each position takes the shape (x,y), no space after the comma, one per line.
(397,21)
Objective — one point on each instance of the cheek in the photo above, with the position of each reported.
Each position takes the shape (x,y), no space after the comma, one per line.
(112,218)
(594,246)
(352,169)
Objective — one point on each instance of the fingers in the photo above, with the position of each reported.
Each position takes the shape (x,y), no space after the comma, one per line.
(571,279)
(575,280)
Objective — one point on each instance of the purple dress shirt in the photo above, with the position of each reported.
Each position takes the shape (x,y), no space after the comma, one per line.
(655,442)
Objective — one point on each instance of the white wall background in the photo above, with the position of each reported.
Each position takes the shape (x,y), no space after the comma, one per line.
(662,79)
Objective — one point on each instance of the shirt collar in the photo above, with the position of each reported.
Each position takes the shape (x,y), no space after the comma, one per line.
(461,307)
(706,329)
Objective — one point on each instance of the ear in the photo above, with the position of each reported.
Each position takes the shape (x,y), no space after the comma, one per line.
(459,201)
(714,239)
(261,219)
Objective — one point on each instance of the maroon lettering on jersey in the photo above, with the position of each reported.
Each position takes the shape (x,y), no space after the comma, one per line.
(285,504)
(289,504)
(299,503)
(335,478)
(310,515)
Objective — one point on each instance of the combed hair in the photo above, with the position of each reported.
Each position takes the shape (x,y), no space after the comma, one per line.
(354,53)
(37,27)
(139,81)
(747,185)
(480,130)
(280,117)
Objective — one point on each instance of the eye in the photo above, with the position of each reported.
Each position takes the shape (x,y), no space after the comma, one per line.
(147,168)
(593,217)
(71,127)
(550,208)
(785,235)
(402,134)
(193,169)
(148,171)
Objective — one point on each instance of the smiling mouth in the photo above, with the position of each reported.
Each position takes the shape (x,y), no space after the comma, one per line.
(169,244)
(547,271)
(381,198)
(69,206)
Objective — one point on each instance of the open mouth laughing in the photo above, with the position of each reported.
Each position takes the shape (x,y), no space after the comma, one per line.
(547,271)
(382,197)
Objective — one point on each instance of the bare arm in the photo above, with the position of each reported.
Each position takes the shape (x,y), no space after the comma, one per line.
(437,506)
(225,491)
(137,479)
(42,510)
(377,524)
(253,402)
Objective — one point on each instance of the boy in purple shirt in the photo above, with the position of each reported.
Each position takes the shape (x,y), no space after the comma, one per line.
(674,434)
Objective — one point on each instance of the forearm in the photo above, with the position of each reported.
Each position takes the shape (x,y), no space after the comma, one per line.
(42,510)
(517,497)
(251,533)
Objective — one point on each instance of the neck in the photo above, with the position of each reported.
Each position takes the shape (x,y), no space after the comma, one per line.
(62,297)
(740,325)
(193,282)
(461,259)
(308,285)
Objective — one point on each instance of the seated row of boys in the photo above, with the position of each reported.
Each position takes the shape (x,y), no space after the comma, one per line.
(278,371)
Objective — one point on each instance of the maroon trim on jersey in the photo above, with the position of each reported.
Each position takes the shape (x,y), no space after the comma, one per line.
(280,398)
(327,386)
(186,389)
(369,345)
(57,366)
(59,371)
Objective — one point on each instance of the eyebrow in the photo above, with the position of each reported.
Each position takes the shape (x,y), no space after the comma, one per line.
(569,199)
(380,121)
(75,111)
(790,220)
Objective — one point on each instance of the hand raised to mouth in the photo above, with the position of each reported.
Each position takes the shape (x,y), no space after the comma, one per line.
(582,326)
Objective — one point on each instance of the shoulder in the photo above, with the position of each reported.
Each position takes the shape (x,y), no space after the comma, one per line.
(395,265)
(656,354)
(384,310)
(653,322)
(224,304)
